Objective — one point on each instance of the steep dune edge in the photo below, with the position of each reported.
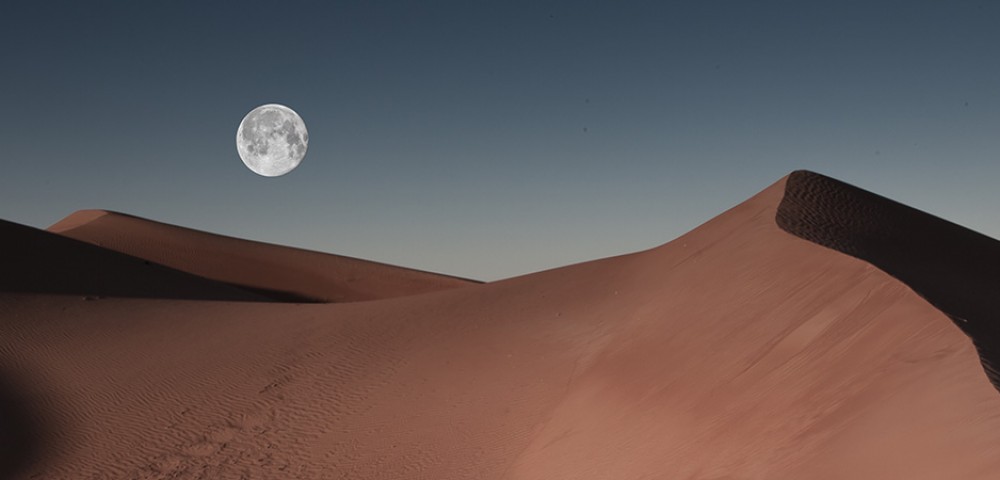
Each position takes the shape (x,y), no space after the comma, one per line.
(281,272)
(36,261)
(955,269)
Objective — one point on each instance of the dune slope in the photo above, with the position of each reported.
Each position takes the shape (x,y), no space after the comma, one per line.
(280,272)
(36,261)
(737,351)
(955,269)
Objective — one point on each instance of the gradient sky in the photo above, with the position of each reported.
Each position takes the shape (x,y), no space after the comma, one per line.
(492,139)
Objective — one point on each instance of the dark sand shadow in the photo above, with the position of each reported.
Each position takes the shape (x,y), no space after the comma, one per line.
(36,261)
(25,437)
(955,269)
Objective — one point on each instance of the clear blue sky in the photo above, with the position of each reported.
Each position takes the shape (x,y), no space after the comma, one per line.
(491,139)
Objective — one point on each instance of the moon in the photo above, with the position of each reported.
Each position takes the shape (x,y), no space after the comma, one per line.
(272,140)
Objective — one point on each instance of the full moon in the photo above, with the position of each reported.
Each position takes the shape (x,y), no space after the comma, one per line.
(272,140)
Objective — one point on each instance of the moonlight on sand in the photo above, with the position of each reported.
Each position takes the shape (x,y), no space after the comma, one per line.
(272,140)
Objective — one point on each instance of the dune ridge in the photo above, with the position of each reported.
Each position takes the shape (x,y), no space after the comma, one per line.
(954,268)
(36,261)
(736,351)
(280,272)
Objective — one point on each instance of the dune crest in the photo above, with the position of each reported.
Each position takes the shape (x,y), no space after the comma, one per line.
(78,218)
(955,269)
(279,272)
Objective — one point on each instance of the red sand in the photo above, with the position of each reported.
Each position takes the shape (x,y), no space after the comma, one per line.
(737,351)
(283,273)
(36,261)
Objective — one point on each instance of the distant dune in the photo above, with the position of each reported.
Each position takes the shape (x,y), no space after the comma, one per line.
(283,273)
(741,350)
(36,261)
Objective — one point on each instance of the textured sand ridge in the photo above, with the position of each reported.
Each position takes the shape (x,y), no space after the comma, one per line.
(279,272)
(737,351)
(955,269)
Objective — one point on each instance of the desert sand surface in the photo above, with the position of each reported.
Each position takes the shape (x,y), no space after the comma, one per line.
(742,350)
(36,261)
(279,272)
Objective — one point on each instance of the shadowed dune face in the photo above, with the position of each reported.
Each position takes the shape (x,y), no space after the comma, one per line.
(36,261)
(955,269)
(278,272)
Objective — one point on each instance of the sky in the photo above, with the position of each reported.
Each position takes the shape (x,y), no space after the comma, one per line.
(493,139)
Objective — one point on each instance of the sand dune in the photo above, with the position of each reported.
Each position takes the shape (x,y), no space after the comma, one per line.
(737,351)
(955,269)
(35,261)
(280,272)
